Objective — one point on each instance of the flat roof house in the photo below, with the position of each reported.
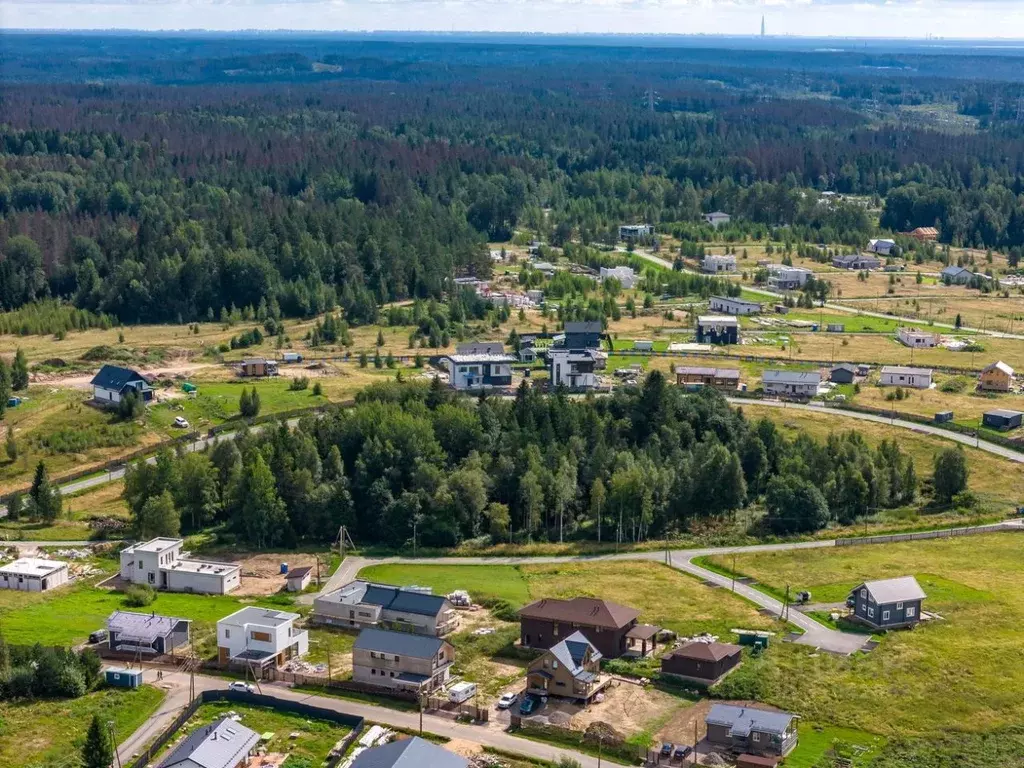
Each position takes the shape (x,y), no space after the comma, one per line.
(752,731)
(113,382)
(705,663)
(714,264)
(911,337)
(159,563)
(610,627)
(695,377)
(716,218)
(791,383)
(362,604)
(146,633)
(625,275)
(856,261)
(570,669)
(718,329)
(260,637)
(887,604)
(401,661)
(221,744)
(258,366)
(997,377)
(787,278)
(33,574)
(900,376)
(1000,418)
(635,231)
(479,371)
(728,305)
(574,368)
(409,753)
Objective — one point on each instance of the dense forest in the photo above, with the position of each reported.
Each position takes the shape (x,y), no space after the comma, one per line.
(415,459)
(173,180)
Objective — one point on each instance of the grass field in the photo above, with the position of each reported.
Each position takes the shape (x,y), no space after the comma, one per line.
(996,481)
(51,732)
(947,675)
(817,740)
(314,739)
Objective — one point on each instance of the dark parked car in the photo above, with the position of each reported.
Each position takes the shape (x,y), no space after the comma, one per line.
(528,705)
(99,636)
(666,749)
(682,752)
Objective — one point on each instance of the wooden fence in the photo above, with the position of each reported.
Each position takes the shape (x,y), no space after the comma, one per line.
(946,533)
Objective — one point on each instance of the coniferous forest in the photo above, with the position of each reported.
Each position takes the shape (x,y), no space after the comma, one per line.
(169,179)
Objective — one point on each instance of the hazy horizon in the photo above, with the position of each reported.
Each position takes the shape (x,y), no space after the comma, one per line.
(995,20)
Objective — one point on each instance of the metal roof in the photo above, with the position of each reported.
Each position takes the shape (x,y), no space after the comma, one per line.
(398,643)
(717,319)
(737,301)
(585,611)
(222,744)
(894,590)
(116,378)
(900,369)
(583,326)
(130,625)
(707,651)
(409,753)
(266,617)
(572,652)
(791,377)
(999,366)
(299,573)
(481,357)
(388,597)
(1003,413)
(480,347)
(742,720)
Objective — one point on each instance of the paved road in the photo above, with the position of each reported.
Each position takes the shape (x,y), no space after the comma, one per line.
(177,685)
(849,310)
(973,442)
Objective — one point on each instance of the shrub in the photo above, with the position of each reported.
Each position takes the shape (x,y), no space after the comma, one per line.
(318,389)
(954,384)
(298,384)
(139,596)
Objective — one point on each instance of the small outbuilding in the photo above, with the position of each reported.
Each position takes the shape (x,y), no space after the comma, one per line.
(148,634)
(33,574)
(705,663)
(843,374)
(997,377)
(1002,419)
(299,578)
(943,416)
(123,678)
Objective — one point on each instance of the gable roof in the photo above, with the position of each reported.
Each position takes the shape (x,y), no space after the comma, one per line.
(584,326)
(388,597)
(998,366)
(221,744)
(893,590)
(791,377)
(399,643)
(409,753)
(588,611)
(707,651)
(480,348)
(116,378)
(299,573)
(572,652)
(845,367)
(953,271)
(737,300)
(141,626)
(742,720)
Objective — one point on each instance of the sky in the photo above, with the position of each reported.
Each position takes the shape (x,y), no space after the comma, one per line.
(989,19)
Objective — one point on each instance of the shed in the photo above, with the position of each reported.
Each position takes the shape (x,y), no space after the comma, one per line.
(123,678)
(843,374)
(299,578)
(1002,419)
(943,416)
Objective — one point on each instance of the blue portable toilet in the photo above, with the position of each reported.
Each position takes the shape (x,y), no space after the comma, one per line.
(124,678)
(13,402)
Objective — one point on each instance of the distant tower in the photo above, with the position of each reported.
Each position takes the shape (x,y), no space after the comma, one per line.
(762,25)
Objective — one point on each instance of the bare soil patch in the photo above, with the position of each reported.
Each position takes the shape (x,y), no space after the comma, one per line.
(630,708)
(261,574)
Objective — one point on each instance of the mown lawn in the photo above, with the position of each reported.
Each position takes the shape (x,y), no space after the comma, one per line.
(496,582)
(957,673)
(816,740)
(51,732)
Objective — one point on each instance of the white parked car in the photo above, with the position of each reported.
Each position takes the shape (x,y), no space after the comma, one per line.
(181,421)
(238,685)
(507,700)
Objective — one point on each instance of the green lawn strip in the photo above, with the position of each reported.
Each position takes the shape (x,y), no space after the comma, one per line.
(817,740)
(64,530)
(496,582)
(362,698)
(323,640)
(316,737)
(50,731)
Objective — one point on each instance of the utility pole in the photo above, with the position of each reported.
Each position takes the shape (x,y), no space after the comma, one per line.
(733,571)
(113,741)
(785,606)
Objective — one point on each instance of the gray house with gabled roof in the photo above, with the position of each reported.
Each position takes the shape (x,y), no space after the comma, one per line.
(401,661)
(360,604)
(113,382)
(221,744)
(570,669)
(887,604)
(409,753)
(751,731)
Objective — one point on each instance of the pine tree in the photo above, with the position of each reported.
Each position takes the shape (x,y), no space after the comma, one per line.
(19,371)
(97,751)
(380,338)
(14,507)
(244,403)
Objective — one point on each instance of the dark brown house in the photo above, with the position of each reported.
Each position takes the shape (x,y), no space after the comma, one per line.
(702,662)
(606,625)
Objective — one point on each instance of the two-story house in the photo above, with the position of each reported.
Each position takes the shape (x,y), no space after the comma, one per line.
(158,563)
(401,661)
(361,604)
(570,669)
(752,731)
(479,370)
(888,603)
(718,329)
(574,368)
(997,377)
(260,638)
(610,627)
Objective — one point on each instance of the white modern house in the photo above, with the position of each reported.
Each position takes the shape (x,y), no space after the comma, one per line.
(716,218)
(726,305)
(898,376)
(635,231)
(260,637)
(787,278)
(574,368)
(911,337)
(482,370)
(33,574)
(159,563)
(625,275)
(714,264)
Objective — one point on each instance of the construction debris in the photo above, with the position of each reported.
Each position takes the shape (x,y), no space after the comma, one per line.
(304,667)
(460,598)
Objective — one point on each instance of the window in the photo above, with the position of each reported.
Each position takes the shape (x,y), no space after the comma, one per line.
(899,606)
(373,671)
(755,736)
(885,615)
(152,577)
(863,593)
(392,674)
(554,665)
(140,563)
(556,630)
(398,658)
(227,633)
(262,637)
(911,612)
(871,612)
